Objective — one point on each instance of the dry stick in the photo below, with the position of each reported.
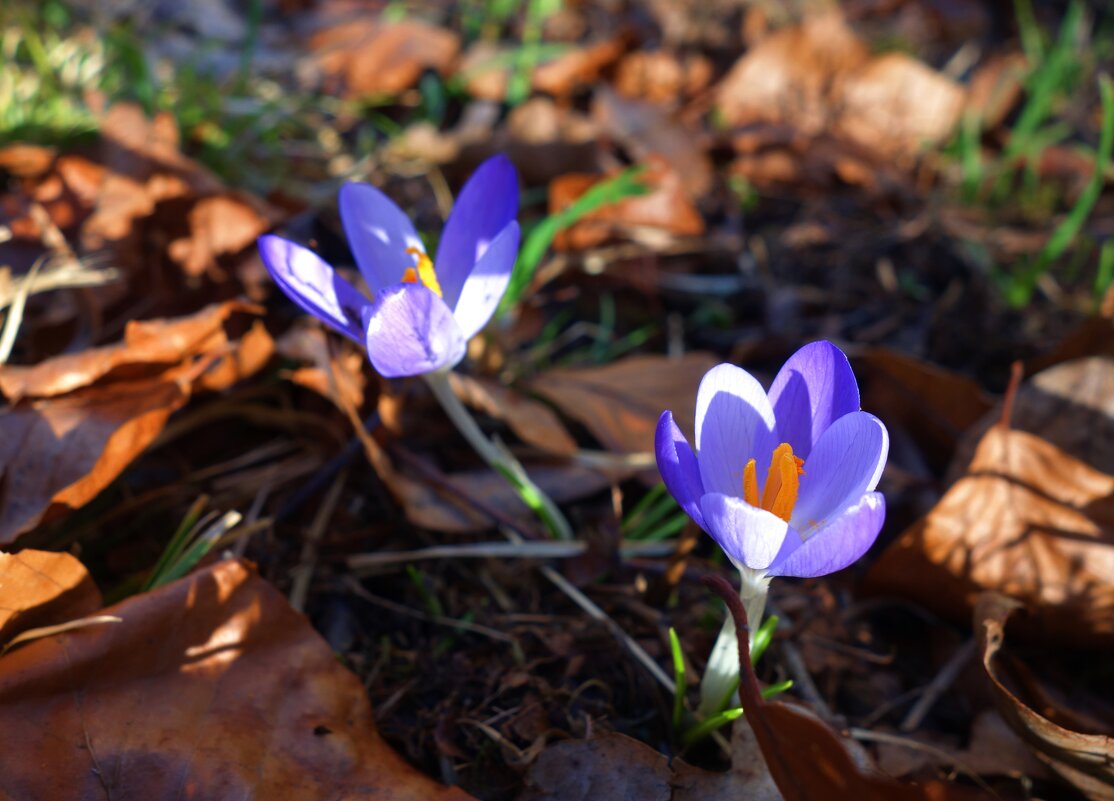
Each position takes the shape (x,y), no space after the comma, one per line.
(1016,372)
(802,679)
(942,681)
(303,571)
(511,531)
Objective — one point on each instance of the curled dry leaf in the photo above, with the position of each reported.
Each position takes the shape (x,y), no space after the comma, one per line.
(667,209)
(39,588)
(620,403)
(82,418)
(1026,519)
(533,422)
(366,56)
(1084,759)
(211,686)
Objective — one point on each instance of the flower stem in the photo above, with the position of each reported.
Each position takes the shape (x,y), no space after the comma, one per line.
(498,458)
(721,676)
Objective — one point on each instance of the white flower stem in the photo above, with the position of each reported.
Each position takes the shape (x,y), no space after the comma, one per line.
(721,676)
(499,458)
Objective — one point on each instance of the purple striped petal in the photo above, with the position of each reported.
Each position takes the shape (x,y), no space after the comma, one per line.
(315,286)
(378,235)
(846,463)
(411,331)
(678,467)
(484,288)
(836,545)
(734,422)
(486,205)
(750,536)
(814,388)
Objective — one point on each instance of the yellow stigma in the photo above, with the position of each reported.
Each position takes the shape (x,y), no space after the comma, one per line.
(783,482)
(423,273)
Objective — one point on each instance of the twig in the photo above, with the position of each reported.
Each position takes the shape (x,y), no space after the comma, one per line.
(869,736)
(303,571)
(802,679)
(357,589)
(939,684)
(545,549)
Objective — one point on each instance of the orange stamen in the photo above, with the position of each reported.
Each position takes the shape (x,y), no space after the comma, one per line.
(423,273)
(783,482)
(750,483)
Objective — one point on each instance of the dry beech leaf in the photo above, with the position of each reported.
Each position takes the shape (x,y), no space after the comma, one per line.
(337,376)
(1026,519)
(660,76)
(486,68)
(620,403)
(219,225)
(533,421)
(933,405)
(211,687)
(1084,759)
(149,346)
(818,77)
(666,209)
(39,588)
(646,130)
(84,417)
(369,57)
(26,161)
(440,509)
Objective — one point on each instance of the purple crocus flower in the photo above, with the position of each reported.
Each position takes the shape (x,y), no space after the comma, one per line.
(816,510)
(422,313)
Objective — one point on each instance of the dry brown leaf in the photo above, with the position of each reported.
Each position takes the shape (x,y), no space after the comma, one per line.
(577,67)
(337,376)
(819,78)
(666,209)
(1084,759)
(1026,519)
(149,346)
(38,588)
(620,403)
(440,509)
(212,687)
(83,418)
(934,406)
(368,57)
(660,76)
(533,422)
(26,161)
(647,130)
(220,225)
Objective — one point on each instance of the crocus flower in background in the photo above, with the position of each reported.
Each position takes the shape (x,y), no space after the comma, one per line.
(784,481)
(422,313)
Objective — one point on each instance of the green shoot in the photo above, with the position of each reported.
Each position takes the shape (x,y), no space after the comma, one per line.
(195,537)
(679,680)
(706,727)
(622,186)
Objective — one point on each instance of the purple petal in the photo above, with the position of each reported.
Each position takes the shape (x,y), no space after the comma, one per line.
(734,422)
(814,388)
(750,536)
(378,235)
(678,467)
(411,331)
(315,286)
(846,463)
(837,544)
(484,288)
(486,205)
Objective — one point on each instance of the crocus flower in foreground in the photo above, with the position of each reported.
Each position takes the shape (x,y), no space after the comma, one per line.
(422,313)
(784,481)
